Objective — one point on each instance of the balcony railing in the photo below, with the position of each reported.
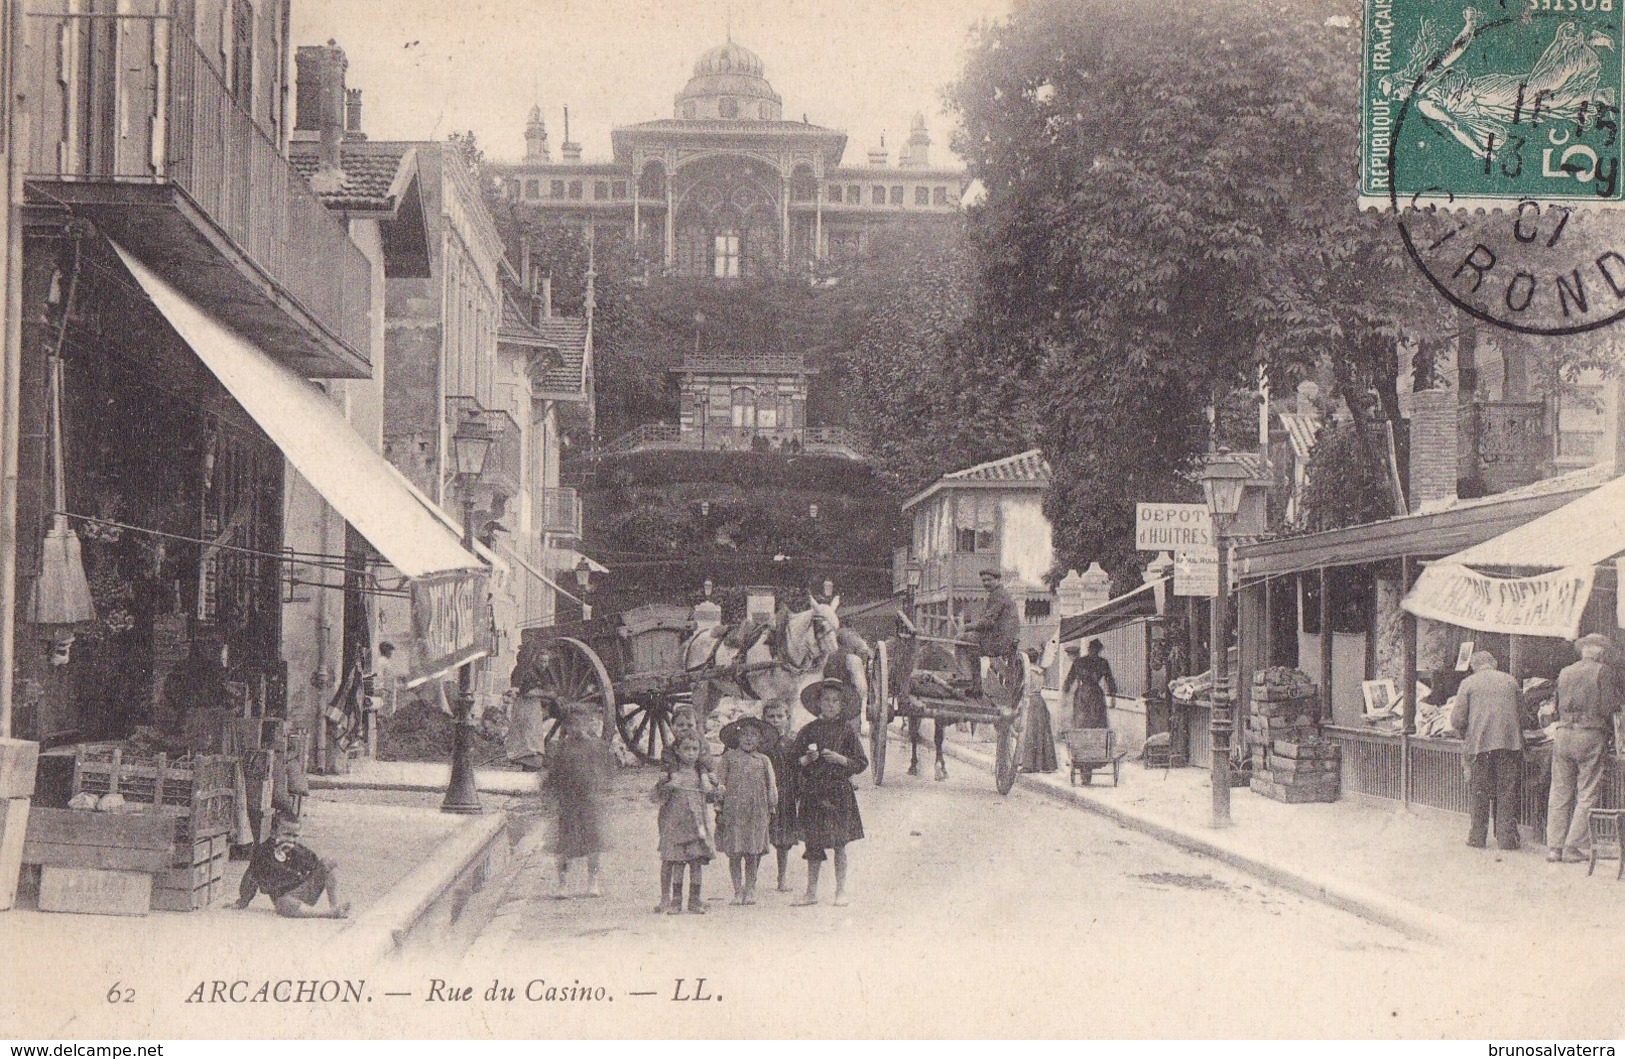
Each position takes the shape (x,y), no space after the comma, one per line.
(558,511)
(504,464)
(722,437)
(132,100)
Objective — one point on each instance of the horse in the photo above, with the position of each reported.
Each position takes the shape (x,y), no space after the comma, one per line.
(779,665)
(932,656)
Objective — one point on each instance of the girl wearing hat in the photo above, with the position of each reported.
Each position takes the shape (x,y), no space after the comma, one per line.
(828,754)
(749,793)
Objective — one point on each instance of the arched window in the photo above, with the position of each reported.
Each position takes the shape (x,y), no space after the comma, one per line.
(690,110)
(728,108)
(744,407)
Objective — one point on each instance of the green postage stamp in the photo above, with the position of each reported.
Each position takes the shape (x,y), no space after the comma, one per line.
(1512,101)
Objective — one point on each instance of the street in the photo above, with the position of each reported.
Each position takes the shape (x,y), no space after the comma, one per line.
(977,915)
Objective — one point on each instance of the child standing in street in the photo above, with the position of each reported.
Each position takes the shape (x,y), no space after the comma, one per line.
(828,754)
(749,794)
(578,772)
(782,832)
(686,839)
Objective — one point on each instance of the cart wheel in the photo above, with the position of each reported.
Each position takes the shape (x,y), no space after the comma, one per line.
(880,710)
(1011,732)
(569,673)
(1004,771)
(645,725)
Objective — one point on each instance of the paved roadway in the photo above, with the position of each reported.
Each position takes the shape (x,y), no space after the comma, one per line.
(974,915)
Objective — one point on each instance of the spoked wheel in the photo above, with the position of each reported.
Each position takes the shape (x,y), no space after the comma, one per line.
(570,674)
(1004,771)
(879,710)
(1011,731)
(645,724)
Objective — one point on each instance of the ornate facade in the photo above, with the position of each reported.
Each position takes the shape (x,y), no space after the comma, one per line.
(726,188)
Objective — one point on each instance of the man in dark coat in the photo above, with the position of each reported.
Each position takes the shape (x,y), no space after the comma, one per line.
(997,630)
(1486,715)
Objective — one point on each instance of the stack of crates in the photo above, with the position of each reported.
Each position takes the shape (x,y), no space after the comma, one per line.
(1291,761)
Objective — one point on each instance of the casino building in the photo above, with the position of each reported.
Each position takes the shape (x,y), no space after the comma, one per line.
(726,187)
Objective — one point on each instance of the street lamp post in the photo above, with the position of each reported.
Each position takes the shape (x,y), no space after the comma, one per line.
(1223,480)
(469,447)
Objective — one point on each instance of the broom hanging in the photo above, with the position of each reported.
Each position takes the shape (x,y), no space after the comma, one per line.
(61,592)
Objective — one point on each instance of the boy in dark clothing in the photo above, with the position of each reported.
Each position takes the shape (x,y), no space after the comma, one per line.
(292,875)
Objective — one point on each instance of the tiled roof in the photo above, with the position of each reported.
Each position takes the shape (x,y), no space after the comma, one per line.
(1300,431)
(369,176)
(1029,466)
(569,335)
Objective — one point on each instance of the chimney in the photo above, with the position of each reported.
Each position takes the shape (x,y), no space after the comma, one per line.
(320,97)
(547,297)
(352,115)
(1434,429)
(879,156)
(569,150)
(525,279)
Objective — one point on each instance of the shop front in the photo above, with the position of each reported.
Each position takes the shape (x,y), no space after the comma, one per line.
(152,572)
(1351,608)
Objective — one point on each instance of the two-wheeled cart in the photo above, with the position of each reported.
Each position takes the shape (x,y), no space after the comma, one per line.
(920,676)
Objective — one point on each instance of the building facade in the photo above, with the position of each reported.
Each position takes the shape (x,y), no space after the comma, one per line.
(726,188)
(989,515)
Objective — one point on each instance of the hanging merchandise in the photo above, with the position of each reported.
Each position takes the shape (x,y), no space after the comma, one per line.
(61,594)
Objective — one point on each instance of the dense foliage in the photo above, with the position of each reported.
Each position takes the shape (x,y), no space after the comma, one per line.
(1170,204)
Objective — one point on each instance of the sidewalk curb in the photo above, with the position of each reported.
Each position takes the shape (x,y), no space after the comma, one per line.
(380,930)
(488,784)
(1408,919)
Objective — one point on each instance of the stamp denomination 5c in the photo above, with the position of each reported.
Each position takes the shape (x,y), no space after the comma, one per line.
(1515,101)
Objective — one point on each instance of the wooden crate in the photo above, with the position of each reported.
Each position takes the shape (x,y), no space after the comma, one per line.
(197,790)
(192,888)
(65,838)
(13,832)
(98,891)
(200,850)
(19,761)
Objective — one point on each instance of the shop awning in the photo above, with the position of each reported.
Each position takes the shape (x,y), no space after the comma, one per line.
(1542,571)
(310,431)
(1114,613)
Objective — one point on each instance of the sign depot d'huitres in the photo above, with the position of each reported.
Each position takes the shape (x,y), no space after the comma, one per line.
(1516,102)
(451,623)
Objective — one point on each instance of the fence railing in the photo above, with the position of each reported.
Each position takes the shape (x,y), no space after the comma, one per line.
(829,441)
(1371,763)
(152,109)
(558,511)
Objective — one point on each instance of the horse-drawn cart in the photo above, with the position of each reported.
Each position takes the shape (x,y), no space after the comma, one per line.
(919,676)
(642,667)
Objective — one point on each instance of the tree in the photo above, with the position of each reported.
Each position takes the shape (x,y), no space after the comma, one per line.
(1170,204)
(468,149)
(928,395)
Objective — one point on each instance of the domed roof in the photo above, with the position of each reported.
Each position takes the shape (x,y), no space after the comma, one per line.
(729,58)
(729,70)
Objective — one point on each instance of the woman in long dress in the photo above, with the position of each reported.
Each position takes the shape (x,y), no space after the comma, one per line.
(1038,747)
(1087,685)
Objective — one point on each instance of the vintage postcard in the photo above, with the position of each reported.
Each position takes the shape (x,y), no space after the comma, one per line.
(717,520)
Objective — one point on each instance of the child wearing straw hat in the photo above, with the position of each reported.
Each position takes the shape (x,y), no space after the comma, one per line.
(749,794)
(828,754)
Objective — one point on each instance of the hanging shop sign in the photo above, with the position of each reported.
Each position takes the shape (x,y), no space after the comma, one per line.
(1549,604)
(451,622)
(1179,528)
(1196,575)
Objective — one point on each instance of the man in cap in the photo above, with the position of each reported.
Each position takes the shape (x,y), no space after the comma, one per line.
(1589,693)
(997,630)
